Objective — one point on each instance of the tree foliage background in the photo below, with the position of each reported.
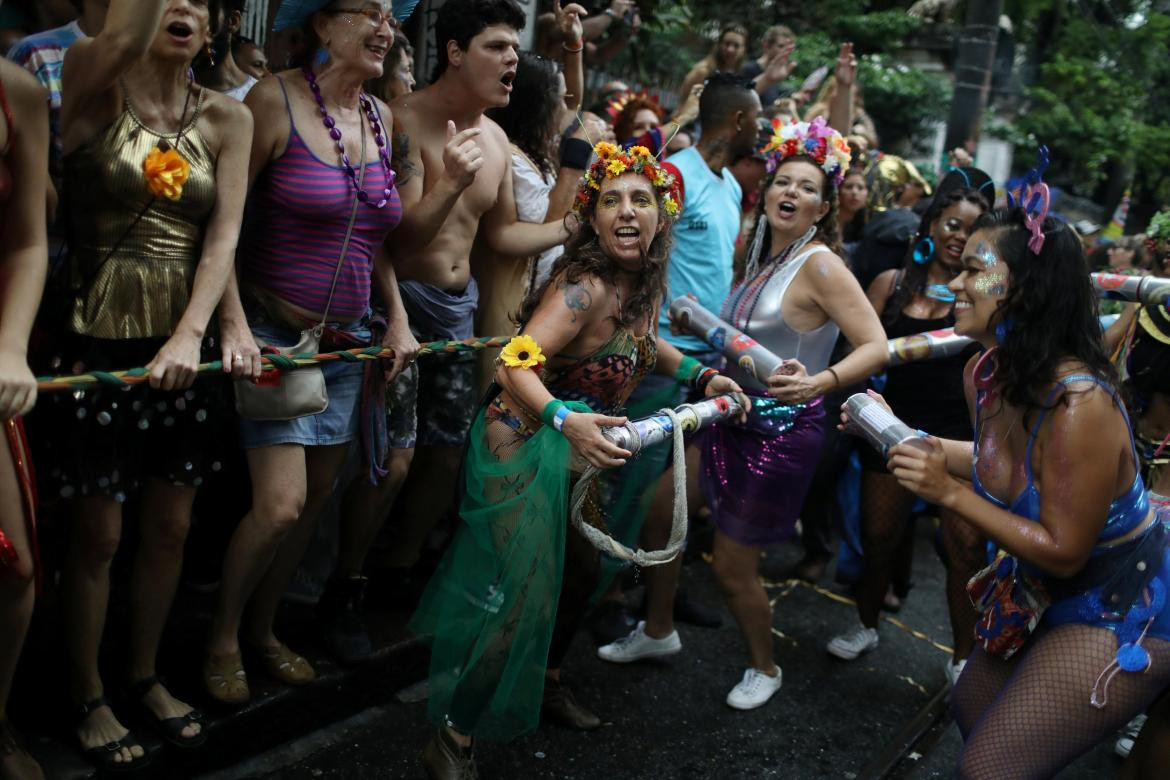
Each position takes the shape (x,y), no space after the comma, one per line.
(1090,78)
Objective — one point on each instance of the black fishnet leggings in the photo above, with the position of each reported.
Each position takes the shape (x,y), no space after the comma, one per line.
(887,540)
(1030,716)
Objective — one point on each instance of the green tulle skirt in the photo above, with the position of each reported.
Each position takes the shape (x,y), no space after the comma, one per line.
(491,605)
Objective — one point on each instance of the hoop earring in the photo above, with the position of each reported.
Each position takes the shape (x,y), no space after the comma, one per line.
(924,250)
(321,57)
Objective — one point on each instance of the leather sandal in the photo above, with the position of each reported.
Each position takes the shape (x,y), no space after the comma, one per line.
(285,665)
(224,679)
(105,757)
(170,729)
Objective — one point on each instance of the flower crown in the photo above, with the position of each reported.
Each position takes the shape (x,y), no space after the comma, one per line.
(612,162)
(815,140)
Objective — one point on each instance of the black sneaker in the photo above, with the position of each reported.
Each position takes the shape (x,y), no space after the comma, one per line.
(609,622)
(341,615)
(691,612)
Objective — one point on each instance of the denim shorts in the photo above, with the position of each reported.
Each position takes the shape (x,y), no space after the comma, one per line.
(338,424)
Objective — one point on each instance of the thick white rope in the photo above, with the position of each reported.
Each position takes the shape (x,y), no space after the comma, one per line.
(678,529)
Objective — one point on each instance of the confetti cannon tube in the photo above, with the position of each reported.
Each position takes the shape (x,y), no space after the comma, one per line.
(1143,289)
(637,435)
(738,347)
(926,346)
(879,427)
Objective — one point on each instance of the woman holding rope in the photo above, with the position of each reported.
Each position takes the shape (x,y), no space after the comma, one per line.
(154,194)
(1074,639)
(24,251)
(311,253)
(513,566)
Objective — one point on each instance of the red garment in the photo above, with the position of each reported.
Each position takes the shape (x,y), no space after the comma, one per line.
(22,461)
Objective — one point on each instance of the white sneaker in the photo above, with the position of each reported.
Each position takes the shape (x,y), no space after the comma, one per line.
(637,646)
(754,689)
(1128,736)
(858,641)
(954,670)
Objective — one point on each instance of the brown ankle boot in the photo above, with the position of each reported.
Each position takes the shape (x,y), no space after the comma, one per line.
(445,760)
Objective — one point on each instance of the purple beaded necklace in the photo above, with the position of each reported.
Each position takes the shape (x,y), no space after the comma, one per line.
(335,133)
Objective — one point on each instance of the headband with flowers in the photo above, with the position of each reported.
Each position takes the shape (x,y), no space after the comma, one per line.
(815,140)
(612,162)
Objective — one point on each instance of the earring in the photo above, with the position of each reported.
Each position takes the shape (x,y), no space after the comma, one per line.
(924,250)
(1002,330)
(321,57)
(210,55)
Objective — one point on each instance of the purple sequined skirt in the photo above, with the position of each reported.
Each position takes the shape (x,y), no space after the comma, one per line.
(754,477)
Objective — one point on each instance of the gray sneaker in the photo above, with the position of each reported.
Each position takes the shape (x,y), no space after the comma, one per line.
(637,646)
(857,642)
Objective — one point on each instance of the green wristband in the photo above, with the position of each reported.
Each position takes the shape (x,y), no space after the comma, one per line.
(550,410)
(688,369)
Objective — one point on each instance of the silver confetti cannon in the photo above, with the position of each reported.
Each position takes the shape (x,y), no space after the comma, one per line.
(880,428)
(926,346)
(637,435)
(738,347)
(1143,289)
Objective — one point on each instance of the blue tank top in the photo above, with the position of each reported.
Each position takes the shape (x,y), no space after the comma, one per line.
(1126,512)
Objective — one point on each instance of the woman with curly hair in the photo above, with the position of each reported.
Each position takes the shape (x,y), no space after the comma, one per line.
(1074,638)
(514,564)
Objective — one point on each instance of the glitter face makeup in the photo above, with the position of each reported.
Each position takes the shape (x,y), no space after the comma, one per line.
(992,285)
(986,254)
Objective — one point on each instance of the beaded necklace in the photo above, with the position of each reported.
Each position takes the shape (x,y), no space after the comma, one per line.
(367,106)
(751,291)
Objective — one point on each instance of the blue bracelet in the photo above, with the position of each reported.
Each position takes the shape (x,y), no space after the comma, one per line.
(559,416)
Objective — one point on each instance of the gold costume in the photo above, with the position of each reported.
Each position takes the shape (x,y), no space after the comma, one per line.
(140,290)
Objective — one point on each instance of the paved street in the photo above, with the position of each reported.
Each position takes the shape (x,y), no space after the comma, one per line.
(830,719)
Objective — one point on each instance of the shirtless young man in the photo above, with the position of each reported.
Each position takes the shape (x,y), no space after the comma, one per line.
(455,180)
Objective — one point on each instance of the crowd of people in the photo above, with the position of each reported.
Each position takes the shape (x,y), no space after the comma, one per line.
(170,203)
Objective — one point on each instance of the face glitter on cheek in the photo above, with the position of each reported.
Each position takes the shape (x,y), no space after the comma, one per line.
(986,255)
(991,285)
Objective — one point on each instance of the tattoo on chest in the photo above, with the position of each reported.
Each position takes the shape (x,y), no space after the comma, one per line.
(404,169)
(577,298)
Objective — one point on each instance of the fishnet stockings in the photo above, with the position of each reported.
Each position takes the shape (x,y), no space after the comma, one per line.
(964,554)
(1029,716)
(885,517)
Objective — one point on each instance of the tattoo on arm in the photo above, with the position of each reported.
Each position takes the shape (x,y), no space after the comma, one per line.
(577,298)
(404,169)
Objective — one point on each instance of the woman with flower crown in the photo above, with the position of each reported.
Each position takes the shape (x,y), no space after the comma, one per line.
(153,195)
(514,569)
(796,296)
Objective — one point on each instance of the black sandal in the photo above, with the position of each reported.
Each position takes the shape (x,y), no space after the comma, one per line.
(170,729)
(104,757)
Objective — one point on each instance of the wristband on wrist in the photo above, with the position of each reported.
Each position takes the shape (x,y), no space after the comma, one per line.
(610,13)
(568,48)
(836,379)
(704,378)
(688,369)
(548,413)
(575,153)
(559,417)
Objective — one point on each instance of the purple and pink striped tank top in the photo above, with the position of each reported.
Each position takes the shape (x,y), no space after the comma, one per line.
(295,224)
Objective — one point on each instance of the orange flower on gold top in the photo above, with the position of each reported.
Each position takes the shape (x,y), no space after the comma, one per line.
(166,173)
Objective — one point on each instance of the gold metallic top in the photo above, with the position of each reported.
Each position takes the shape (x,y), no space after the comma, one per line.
(141,289)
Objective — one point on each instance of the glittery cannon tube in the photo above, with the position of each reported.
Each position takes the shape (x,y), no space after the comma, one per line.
(1144,289)
(736,346)
(637,435)
(879,427)
(926,346)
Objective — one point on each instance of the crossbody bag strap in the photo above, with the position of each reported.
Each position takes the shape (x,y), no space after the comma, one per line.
(348,230)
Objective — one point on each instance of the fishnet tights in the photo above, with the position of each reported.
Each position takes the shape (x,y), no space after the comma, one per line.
(1030,716)
(964,554)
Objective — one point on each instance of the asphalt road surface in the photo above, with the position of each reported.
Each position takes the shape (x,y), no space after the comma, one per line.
(830,719)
